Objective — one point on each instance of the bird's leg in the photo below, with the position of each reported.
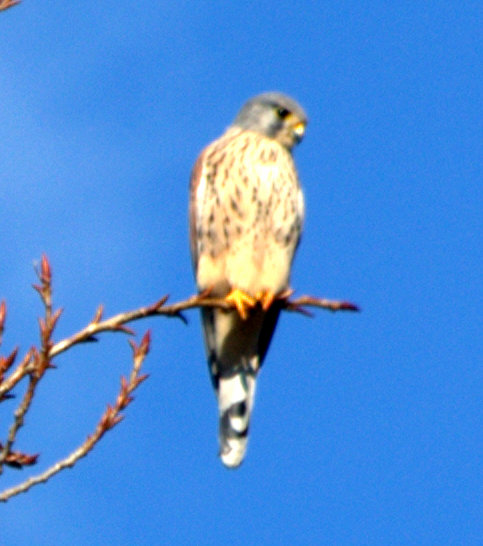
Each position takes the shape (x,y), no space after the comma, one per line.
(267,297)
(242,301)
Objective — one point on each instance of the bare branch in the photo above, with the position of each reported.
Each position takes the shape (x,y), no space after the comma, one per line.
(115,323)
(18,422)
(36,362)
(5,4)
(110,418)
(323,303)
(40,359)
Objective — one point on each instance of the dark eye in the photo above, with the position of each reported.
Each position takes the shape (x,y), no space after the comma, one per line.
(282,112)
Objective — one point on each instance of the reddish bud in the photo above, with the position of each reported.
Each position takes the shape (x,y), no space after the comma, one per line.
(5,363)
(3,314)
(98,315)
(124,384)
(45,271)
(158,304)
(146,342)
(43,327)
(141,378)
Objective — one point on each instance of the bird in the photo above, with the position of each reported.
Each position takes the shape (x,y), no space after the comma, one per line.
(246,213)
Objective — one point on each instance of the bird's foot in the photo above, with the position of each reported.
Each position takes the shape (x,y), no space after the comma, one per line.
(265,298)
(242,301)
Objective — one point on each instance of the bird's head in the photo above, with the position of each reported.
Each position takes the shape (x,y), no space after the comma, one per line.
(274,115)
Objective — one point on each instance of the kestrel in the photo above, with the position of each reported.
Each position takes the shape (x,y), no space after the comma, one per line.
(246,215)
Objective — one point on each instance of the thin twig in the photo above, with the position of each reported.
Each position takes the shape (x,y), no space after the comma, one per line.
(37,361)
(116,323)
(5,4)
(22,369)
(18,459)
(111,417)
(3,316)
(41,359)
(323,303)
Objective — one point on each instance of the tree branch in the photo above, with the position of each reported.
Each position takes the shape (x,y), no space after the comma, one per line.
(117,322)
(5,4)
(110,418)
(41,360)
(37,361)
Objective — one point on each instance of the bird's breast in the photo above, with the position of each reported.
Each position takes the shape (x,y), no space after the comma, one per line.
(249,218)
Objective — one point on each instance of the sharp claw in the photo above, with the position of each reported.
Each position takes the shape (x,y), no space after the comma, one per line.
(242,301)
(267,300)
(268,297)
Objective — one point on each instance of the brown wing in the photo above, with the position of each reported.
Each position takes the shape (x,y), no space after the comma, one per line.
(196,175)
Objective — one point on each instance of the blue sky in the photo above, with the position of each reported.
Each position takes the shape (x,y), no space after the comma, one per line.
(367,427)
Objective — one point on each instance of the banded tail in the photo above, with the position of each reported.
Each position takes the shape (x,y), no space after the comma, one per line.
(235,402)
(236,349)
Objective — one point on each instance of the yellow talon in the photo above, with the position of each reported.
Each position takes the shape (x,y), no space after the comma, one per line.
(266,299)
(242,301)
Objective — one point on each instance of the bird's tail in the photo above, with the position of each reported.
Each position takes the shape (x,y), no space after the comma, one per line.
(235,402)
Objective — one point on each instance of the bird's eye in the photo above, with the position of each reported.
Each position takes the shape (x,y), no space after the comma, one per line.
(282,112)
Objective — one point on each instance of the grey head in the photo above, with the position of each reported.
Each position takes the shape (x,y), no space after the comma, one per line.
(274,115)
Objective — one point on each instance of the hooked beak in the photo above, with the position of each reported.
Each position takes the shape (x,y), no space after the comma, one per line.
(299,130)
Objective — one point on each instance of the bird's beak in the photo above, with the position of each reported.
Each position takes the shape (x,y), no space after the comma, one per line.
(299,130)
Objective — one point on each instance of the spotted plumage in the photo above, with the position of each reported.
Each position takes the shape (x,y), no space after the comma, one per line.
(246,215)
